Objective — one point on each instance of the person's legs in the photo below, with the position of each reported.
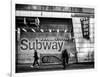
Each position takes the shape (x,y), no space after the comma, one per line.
(34,62)
(67,60)
(64,64)
(37,62)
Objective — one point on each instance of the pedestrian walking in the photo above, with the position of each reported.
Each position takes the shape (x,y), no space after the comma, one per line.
(35,59)
(65,58)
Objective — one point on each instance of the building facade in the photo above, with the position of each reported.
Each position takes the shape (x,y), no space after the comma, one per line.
(50,30)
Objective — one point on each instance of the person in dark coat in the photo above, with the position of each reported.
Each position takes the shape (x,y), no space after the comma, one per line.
(35,59)
(65,58)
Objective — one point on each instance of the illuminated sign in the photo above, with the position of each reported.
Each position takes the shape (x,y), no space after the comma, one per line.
(85,27)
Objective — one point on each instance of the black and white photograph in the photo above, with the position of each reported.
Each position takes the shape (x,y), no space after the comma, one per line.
(49,38)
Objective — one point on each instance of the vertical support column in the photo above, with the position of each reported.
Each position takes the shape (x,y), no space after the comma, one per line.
(77,35)
(92,35)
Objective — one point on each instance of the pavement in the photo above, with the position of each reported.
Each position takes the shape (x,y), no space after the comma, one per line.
(22,68)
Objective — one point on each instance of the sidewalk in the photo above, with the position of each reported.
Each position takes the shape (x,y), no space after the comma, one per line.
(27,68)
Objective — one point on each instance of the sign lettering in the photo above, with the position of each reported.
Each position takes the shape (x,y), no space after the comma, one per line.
(40,44)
